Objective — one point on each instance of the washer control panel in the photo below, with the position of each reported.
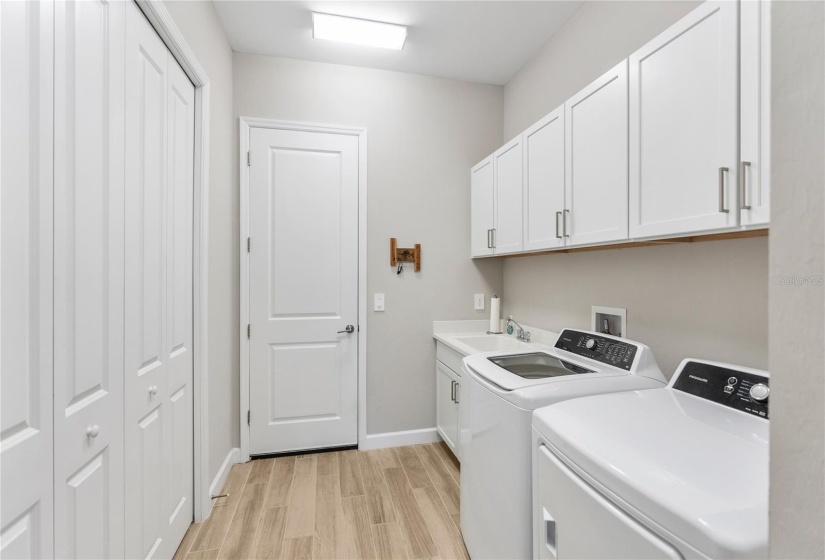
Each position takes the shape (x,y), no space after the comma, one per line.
(600,348)
(737,389)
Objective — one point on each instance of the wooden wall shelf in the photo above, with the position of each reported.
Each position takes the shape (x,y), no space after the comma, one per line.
(398,254)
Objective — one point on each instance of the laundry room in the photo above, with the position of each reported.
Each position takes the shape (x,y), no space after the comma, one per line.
(412,279)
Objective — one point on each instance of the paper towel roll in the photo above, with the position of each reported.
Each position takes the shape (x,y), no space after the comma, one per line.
(495,314)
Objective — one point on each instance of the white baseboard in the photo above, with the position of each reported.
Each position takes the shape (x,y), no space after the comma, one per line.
(398,439)
(234,456)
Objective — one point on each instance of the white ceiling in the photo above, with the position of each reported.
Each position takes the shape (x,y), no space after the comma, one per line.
(476,41)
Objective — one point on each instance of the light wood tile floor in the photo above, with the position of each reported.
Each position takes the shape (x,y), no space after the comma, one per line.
(387,503)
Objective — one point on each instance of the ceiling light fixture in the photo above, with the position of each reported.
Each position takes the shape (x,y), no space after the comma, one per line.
(358,31)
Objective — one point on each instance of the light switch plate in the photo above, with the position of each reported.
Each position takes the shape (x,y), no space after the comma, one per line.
(378,304)
(479,302)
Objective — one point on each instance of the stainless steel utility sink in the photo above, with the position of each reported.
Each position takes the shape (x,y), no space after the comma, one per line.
(537,365)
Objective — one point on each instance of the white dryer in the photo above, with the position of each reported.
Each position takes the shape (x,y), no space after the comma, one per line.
(677,472)
(500,395)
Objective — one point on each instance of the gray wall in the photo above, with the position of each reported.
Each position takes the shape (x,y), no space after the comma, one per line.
(201,28)
(797,249)
(706,300)
(424,134)
(598,36)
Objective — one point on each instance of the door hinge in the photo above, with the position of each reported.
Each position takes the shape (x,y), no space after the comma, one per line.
(248,330)
(248,417)
(248,159)
(248,244)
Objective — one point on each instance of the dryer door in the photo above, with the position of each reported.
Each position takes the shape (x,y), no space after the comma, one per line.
(572,520)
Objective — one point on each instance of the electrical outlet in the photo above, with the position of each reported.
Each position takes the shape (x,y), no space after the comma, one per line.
(479,302)
(378,304)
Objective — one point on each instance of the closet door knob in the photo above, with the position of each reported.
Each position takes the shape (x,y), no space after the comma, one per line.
(153,390)
(92,431)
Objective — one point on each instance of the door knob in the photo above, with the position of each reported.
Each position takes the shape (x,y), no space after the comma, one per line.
(92,431)
(153,390)
(349,330)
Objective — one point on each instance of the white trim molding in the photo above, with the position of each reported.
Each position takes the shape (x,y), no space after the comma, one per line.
(399,439)
(246,123)
(233,457)
(160,18)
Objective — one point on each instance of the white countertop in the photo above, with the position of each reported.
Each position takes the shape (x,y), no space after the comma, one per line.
(470,337)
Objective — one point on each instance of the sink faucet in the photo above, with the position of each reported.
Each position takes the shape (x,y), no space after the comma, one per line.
(521,334)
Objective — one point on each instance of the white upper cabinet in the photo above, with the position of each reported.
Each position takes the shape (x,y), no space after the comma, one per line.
(755,113)
(683,126)
(482,214)
(596,161)
(543,146)
(507,232)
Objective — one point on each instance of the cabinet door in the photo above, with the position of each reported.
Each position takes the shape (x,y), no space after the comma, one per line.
(88,279)
(509,166)
(596,161)
(26,454)
(446,408)
(543,145)
(482,214)
(683,126)
(755,113)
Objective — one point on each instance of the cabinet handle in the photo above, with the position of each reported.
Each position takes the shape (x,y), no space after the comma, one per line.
(455,392)
(452,391)
(558,215)
(494,237)
(723,171)
(743,184)
(489,239)
(566,213)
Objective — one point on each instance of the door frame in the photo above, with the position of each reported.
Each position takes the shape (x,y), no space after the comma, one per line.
(246,124)
(163,23)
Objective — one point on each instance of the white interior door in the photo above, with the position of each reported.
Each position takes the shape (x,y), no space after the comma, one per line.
(683,125)
(303,290)
(544,182)
(88,279)
(26,456)
(596,161)
(159,185)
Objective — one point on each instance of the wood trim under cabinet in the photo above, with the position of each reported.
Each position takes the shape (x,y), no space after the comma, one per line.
(631,244)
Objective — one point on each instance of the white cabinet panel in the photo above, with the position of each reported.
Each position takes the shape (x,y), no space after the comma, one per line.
(88,273)
(26,283)
(755,113)
(158,314)
(544,182)
(482,213)
(509,167)
(596,161)
(683,126)
(446,406)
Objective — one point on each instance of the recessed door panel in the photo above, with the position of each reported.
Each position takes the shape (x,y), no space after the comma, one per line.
(89,504)
(304,283)
(149,484)
(303,215)
(544,183)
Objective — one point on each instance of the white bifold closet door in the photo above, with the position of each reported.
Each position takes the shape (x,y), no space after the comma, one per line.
(88,279)
(26,473)
(159,190)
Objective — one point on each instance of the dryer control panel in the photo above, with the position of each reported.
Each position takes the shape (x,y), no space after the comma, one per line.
(747,391)
(604,349)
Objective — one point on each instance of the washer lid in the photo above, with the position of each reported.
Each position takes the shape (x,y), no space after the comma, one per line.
(695,468)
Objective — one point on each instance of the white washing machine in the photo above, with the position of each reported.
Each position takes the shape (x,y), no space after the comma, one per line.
(500,394)
(677,472)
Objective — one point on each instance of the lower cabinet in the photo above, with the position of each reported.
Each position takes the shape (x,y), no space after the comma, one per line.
(448,393)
